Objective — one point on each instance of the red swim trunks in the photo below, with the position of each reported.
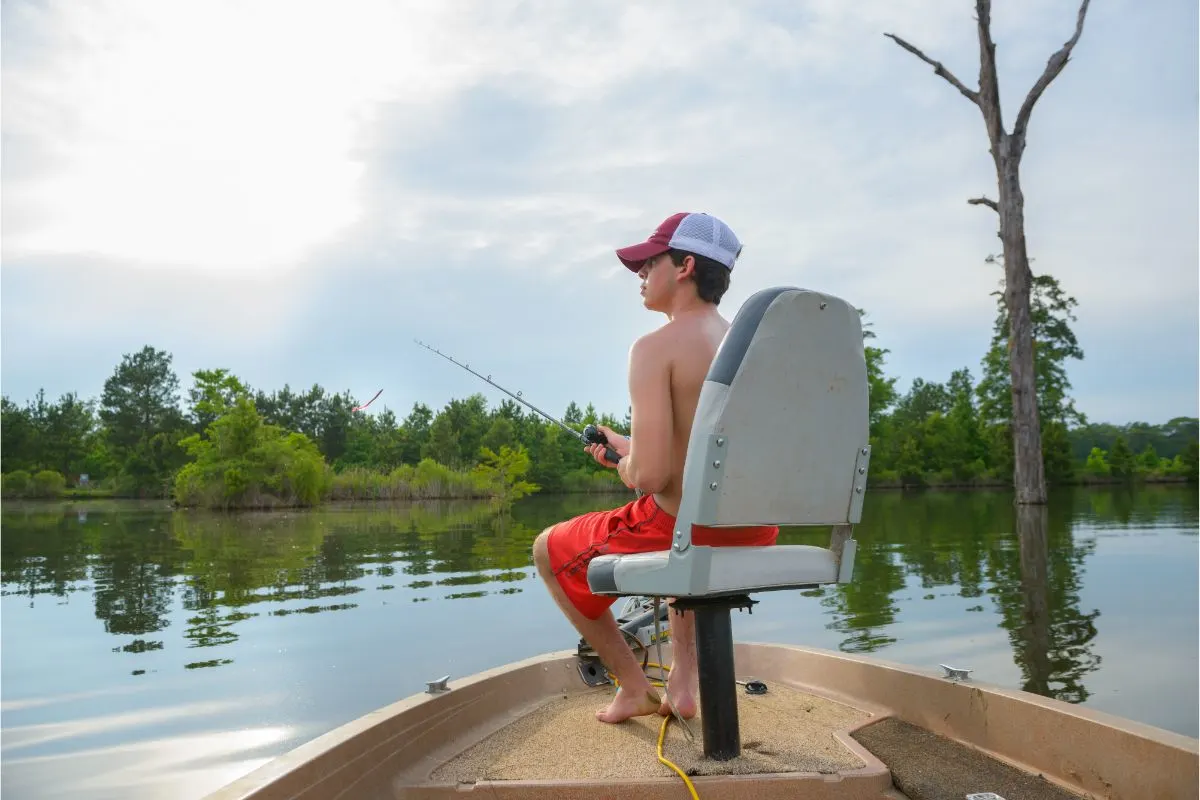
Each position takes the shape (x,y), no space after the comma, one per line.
(637,527)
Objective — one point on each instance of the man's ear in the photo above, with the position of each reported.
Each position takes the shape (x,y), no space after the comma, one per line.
(688,267)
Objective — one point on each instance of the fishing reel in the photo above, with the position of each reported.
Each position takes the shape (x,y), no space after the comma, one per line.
(593,435)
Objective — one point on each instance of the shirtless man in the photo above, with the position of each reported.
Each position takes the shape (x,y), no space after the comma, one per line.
(685,268)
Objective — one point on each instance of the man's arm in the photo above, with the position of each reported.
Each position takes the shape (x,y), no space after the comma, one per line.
(648,465)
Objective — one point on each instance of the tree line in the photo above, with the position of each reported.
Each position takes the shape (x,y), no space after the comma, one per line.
(226,444)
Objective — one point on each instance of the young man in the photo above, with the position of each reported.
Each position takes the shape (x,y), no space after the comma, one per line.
(684,268)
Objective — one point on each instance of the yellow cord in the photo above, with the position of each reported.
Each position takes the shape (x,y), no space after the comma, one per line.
(662,732)
(653,681)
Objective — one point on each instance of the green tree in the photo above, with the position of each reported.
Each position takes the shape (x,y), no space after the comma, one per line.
(214,392)
(443,443)
(1120,459)
(501,434)
(17,437)
(243,461)
(42,435)
(1056,453)
(140,399)
(468,420)
(1097,463)
(70,425)
(1148,460)
(1168,440)
(1190,460)
(390,440)
(333,424)
(548,468)
(967,451)
(142,420)
(416,428)
(881,390)
(1054,342)
(362,444)
(505,472)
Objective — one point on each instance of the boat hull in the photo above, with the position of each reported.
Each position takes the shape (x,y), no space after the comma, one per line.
(437,745)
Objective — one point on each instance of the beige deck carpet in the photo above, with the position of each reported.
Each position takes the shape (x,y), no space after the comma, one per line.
(784,730)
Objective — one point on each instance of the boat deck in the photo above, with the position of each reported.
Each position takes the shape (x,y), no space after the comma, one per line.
(554,747)
(784,730)
(785,733)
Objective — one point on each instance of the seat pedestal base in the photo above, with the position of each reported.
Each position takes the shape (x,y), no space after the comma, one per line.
(714,662)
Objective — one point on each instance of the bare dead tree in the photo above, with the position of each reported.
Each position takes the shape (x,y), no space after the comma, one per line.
(1006,149)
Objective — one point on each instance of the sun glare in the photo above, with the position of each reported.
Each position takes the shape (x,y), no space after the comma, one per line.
(213,135)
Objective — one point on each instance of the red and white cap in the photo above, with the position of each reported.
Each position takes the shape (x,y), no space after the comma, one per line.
(698,233)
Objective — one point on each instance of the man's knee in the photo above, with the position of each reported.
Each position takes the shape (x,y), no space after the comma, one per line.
(541,548)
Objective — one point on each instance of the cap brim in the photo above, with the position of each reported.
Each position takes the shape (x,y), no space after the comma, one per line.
(635,255)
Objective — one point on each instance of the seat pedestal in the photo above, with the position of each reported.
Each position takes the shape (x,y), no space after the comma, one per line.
(714,662)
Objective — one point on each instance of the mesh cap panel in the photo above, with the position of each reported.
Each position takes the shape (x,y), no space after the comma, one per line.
(707,236)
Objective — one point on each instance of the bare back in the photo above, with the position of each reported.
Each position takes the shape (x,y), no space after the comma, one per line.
(690,344)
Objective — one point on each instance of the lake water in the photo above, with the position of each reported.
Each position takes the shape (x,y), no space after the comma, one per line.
(152,653)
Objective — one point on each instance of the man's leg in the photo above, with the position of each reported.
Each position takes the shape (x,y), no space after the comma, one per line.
(635,696)
(682,684)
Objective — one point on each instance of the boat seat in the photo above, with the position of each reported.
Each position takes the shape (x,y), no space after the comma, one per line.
(780,437)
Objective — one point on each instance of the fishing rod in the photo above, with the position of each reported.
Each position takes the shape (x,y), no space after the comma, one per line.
(590,435)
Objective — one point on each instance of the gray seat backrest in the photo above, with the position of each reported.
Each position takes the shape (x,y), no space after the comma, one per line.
(780,434)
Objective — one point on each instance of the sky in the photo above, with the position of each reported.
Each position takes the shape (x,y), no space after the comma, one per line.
(298,195)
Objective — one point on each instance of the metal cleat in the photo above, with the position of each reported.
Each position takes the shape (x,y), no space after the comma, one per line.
(954,673)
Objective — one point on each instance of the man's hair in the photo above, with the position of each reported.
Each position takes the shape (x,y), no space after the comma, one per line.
(711,277)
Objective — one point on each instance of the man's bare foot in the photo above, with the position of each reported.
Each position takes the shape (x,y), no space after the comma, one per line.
(684,700)
(629,704)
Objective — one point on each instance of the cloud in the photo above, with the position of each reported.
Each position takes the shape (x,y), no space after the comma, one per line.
(461,173)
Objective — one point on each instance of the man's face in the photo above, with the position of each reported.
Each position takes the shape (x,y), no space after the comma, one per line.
(656,275)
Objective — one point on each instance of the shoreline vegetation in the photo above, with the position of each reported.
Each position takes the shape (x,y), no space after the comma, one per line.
(371,487)
(227,446)
(247,459)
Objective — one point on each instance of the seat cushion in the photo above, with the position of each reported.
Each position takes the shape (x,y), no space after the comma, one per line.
(731,570)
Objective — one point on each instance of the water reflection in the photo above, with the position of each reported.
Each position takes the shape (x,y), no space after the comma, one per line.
(1026,565)
(170,601)
(224,570)
(1051,633)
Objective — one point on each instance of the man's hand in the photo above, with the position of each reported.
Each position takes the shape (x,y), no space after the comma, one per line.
(616,441)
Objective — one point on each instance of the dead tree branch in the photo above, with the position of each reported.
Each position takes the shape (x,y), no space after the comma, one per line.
(938,69)
(983,201)
(989,83)
(1053,66)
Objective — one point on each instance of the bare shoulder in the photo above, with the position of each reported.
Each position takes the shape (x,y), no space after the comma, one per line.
(694,339)
(679,343)
(655,347)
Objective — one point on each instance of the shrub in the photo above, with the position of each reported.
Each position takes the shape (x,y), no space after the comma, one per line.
(15,483)
(47,483)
